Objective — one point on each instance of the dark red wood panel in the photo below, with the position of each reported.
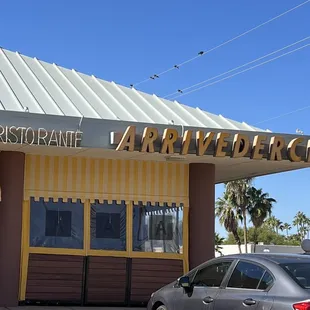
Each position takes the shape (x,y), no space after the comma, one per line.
(148,275)
(55,278)
(60,278)
(106,280)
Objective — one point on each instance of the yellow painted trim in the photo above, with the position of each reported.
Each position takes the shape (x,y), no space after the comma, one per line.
(108,253)
(185,239)
(57,251)
(24,276)
(129,228)
(24,250)
(87,227)
(156,255)
(108,196)
(129,242)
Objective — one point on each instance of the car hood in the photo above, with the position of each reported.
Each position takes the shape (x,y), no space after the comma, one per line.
(170,285)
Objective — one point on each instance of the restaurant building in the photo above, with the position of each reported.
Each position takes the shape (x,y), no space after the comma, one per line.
(107,193)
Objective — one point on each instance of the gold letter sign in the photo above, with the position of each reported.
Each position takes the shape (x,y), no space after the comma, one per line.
(149,137)
(241,145)
(216,144)
(169,138)
(128,139)
(258,146)
(291,150)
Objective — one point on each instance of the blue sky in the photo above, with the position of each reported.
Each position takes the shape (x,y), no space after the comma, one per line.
(127,41)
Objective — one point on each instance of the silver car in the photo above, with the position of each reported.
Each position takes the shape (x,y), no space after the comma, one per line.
(243,281)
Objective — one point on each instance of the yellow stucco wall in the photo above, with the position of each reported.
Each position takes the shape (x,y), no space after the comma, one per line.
(89,178)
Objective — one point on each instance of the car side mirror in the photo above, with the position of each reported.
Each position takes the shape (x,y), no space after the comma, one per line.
(184,282)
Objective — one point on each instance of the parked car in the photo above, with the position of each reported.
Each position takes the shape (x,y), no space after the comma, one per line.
(244,281)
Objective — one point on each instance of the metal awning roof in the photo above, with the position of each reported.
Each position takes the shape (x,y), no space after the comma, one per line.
(60,99)
(31,85)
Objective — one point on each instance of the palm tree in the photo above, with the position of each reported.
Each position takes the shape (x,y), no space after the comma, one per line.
(303,232)
(300,221)
(218,242)
(269,223)
(237,192)
(308,227)
(260,206)
(286,227)
(296,223)
(278,225)
(273,223)
(227,217)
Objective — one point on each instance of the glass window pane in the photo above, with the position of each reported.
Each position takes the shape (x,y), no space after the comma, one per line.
(108,226)
(158,228)
(300,272)
(56,224)
(266,281)
(212,275)
(246,275)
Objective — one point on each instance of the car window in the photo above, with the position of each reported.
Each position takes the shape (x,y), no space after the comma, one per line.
(191,275)
(266,281)
(249,276)
(212,275)
(300,272)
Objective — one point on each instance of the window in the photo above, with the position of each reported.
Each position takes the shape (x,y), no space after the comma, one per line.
(108,226)
(56,224)
(300,272)
(249,276)
(266,281)
(212,275)
(157,228)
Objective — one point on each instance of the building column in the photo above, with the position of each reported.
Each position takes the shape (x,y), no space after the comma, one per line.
(201,213)
(12,188)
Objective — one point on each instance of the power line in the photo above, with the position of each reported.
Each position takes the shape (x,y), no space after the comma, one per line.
(201,53)
(234,69)
(248,69)
(284,114)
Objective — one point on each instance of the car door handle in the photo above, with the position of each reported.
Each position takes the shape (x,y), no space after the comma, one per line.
(249,302)
(207,300)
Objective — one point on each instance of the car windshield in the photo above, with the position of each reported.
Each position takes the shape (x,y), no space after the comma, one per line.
(300,272)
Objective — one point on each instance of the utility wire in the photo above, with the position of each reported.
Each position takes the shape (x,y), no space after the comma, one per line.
(248,69)
(234,69)
(284,114)
(201,53)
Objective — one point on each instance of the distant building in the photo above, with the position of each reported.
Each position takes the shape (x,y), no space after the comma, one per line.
(229,249)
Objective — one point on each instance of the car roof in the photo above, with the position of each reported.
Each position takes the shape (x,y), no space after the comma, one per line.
(278,258)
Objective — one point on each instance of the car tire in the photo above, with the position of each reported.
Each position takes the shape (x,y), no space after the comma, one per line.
(162,307)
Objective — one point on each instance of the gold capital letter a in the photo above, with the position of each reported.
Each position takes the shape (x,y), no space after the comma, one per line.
(128,140)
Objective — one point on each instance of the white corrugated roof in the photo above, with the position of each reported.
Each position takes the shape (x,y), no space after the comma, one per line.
(29,84)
